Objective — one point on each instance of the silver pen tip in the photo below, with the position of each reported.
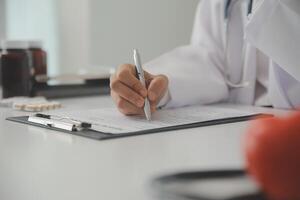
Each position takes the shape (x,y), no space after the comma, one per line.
(148,118)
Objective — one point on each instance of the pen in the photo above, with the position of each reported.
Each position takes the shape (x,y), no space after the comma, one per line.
(141,77)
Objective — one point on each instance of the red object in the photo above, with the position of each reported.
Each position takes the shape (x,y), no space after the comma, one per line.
(272,149)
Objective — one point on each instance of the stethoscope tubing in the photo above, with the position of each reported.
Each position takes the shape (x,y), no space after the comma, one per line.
(161,189)
(242,83)
(228,4)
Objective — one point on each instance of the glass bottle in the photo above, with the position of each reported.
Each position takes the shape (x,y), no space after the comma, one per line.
(16,69)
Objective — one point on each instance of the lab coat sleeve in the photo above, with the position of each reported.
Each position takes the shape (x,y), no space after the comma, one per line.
(195,71)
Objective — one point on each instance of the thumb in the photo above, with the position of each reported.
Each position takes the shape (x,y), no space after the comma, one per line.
(157,88)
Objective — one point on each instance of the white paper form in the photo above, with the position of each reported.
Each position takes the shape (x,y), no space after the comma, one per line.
(110,120)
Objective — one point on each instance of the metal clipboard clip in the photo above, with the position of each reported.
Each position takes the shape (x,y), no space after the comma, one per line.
(63,123)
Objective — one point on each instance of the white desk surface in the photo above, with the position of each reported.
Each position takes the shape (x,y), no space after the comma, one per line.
(39,164)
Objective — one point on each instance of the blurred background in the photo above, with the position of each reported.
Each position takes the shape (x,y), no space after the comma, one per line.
(88,35)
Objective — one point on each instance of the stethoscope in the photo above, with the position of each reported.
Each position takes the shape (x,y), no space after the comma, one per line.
(166,187)
(227,14)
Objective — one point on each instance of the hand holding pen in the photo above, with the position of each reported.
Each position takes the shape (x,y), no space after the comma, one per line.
(129,94)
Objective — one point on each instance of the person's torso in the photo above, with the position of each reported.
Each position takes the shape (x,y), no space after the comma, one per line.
(268,83)
(245,63)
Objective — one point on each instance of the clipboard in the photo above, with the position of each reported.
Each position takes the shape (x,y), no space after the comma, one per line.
(97,135)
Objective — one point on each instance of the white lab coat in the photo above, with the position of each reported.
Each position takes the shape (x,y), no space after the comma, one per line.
(196,72)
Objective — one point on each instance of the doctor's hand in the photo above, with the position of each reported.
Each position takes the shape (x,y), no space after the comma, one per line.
(129,94)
